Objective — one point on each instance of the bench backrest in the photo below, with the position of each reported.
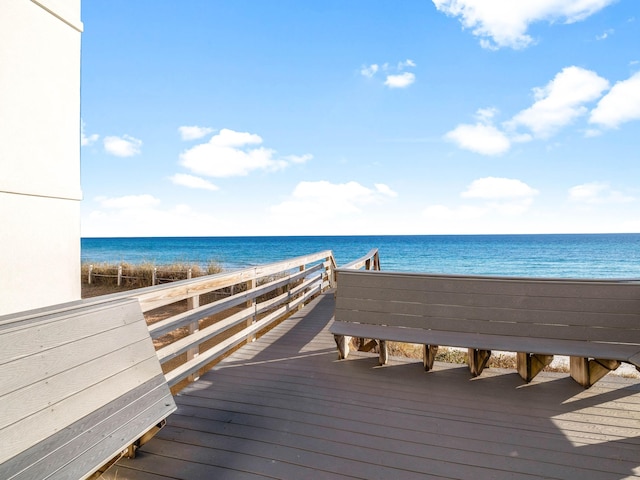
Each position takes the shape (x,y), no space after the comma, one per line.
(79,381)
(580,310)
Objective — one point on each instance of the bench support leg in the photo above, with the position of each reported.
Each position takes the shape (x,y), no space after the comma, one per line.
(429,356)
(587,372)
(531,364)
(342,341)
(384,353)
(131,449)
(478,360)
(367,347)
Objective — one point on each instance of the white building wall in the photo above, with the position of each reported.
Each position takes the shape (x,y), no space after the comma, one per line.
(39,153)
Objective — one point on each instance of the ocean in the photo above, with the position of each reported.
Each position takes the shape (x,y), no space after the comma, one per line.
(555,256)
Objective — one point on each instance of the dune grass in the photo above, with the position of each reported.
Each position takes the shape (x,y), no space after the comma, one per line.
(141,275)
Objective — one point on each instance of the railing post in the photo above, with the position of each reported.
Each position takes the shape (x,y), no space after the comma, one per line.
(89,280)
(119,275)
(193,302)
(251,284)
(301,306)
(154,276)
(331,273)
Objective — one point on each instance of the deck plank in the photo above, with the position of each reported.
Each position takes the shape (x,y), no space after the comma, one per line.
(285,407)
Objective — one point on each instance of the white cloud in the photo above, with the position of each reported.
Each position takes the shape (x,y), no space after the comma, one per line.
(323,199)
(486,115)
(298,158)
(605,34)
(560,101)
(494,198)
(479,138)
(504,23)
(407,63)
(192,181)
(557,104)
(502,196)
(395,76)
(125,146)
(491,188)
(592,132)
(597,193)
(402,80)
(620,105)
(369,71)
(151,220)
(84,140)
(231,138)
(231,153)
(194,132)
(385,190)
(129,201)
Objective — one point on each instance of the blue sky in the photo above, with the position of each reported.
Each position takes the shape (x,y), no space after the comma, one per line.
(250,117)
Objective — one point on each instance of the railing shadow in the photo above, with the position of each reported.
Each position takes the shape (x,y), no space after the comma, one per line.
(569,426)
(308,324)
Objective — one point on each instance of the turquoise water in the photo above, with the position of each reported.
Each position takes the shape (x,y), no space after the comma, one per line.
(559,256)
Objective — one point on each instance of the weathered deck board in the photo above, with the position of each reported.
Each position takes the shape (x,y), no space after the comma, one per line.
(285,407)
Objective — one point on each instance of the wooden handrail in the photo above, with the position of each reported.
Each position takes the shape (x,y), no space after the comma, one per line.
(161,295)
(371,261)
(254,298)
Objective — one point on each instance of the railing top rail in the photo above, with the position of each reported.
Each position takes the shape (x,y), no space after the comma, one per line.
(159,295)
(360,262)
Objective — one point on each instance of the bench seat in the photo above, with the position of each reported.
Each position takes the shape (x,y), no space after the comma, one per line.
(596,323)
(81,385)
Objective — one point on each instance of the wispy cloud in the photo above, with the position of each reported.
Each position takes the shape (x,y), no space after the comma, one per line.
(125,146)
(369,71)
(506,197)
(299,159)
(597,193)
(194,132)
(605,34)
(395,77)
(85,140)
(498,188)
(407,63)
(191,181)
(504,23)
(323,199)
(139,215)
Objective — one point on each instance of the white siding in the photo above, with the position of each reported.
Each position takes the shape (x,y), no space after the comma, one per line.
(39,153)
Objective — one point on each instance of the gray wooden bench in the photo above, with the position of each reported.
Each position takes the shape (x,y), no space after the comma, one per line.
(595,323)
(81,385)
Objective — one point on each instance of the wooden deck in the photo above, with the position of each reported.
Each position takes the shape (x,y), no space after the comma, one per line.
(285,407)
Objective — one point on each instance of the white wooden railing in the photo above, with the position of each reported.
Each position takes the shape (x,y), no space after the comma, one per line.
(253,299)
(371,261)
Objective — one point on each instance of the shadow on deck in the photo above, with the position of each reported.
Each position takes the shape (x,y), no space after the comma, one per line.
(285,407)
